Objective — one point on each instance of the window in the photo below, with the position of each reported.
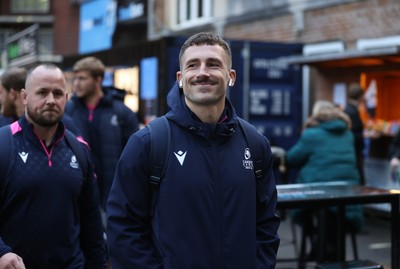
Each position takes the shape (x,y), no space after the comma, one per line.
(40,6)
(192,12)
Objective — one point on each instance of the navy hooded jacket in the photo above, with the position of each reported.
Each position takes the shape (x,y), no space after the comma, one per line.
(49,213)
(207,213)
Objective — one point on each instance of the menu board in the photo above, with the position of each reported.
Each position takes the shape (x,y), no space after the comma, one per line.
(270,101)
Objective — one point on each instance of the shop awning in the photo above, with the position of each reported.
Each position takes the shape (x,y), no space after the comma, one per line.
(349,58)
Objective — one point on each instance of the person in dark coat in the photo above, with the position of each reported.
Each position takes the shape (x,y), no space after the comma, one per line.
(355,96)
(102,119)
(325,153)
(207,213)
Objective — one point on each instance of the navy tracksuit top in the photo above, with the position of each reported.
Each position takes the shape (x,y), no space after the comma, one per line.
(49,214)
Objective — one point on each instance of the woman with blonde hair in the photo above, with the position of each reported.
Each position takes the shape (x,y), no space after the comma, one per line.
(325,153)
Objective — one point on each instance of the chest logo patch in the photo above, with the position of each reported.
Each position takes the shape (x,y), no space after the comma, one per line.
(247,163)
(74,162)
(180,155)
(23,155)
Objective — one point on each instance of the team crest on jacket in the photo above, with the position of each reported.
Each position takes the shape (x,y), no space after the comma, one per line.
(247,163)
(74,162)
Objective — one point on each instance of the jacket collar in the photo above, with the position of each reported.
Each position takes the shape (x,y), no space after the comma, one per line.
(27,127)
(182,115)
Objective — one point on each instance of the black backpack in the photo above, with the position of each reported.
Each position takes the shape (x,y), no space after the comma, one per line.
(7,152)
(160,139)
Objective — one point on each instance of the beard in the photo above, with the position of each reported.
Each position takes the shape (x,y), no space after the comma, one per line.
(44,120)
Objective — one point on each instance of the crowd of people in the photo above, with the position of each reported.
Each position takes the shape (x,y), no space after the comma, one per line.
(85,201)
(74,178)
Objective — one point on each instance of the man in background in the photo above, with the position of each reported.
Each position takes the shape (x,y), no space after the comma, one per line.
(355,96)
(12,81)
(102,119)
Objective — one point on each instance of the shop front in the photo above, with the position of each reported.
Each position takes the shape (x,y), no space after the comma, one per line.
(375,65)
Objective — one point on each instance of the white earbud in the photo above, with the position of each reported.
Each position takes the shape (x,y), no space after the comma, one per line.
(180,83)
(230,84)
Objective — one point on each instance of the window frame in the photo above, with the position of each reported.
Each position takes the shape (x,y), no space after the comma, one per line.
(29,6)
(189,15)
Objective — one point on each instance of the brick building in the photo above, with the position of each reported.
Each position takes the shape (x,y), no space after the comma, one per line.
(56,34)
(344,40)
(341,23)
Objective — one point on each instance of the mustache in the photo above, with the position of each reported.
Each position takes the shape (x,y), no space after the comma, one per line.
(199,81)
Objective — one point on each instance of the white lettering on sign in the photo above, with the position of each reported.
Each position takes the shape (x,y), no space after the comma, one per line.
(256,98)
(288,131)
(286,103)
(136,10)
(277,102)
(274,68)
(262,63)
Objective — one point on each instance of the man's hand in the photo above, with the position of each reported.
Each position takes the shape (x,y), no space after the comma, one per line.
(11,261)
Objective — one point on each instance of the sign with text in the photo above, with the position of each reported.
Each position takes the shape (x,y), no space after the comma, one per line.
(97,25)
(132,10)
(269,100)
(23,46)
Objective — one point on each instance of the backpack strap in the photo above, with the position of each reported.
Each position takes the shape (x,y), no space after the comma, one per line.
(252,136)
(160,140)
(6,152)
(76,147)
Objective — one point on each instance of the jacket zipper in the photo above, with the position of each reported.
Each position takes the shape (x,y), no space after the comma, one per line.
(49,154)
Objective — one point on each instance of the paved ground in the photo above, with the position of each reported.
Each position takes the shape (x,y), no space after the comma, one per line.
(373,243)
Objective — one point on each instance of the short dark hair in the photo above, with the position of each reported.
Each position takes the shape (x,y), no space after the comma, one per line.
(14,78)
(91,64)
(355,92)
(206,38)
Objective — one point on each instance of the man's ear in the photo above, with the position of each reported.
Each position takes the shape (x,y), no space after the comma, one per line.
(179,78)
(232,77)
(23,96)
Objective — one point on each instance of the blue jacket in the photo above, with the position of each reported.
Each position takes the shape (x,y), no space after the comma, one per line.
(49,214)
(107,134)
(207,214)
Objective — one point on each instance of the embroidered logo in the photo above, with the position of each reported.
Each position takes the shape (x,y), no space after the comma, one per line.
(247,163)
(114,120)
(23,155)
(180,155)
(73,163)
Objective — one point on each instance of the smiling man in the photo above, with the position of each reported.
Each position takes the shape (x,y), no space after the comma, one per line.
(208,214)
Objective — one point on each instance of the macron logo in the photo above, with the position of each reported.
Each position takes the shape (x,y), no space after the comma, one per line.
(23,155)
(180,155)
